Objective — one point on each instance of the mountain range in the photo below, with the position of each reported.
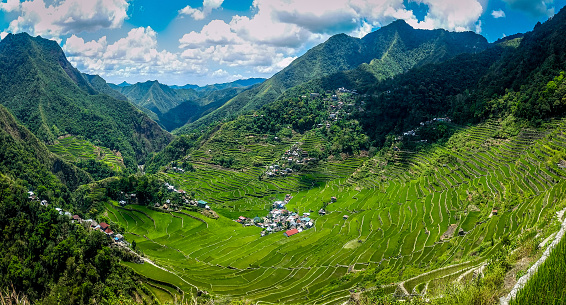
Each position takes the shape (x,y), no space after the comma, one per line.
(411,160)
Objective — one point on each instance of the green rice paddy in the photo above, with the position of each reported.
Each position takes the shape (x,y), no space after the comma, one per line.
(399,205)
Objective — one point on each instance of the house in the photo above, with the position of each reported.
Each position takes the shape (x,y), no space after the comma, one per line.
(76,218)
(201,204)
(104,226)
(165,207)
(332,199)
(462,232)
(494,212)
(242,219)
(43,202)
(291,232)
(305,219)
(122,202)
(118,238)
(345,217)
(321,212)
(257,219)
(108,231)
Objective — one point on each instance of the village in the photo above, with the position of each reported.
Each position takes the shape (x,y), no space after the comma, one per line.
(293,157)
(89,223)
(280,219)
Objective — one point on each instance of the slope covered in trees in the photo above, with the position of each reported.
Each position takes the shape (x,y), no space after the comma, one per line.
(391,50)
(51,98)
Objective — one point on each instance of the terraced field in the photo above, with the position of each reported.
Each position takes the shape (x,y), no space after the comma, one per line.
(72,148)
(397,216)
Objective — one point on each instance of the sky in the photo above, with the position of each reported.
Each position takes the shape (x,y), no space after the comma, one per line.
(203,42)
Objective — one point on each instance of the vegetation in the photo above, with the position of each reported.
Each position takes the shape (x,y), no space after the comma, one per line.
(548,284)
(51,98)
(387,52)
(432,178)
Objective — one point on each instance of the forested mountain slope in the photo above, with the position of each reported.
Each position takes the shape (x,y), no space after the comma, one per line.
(23,156)
(51,98)
(391,50)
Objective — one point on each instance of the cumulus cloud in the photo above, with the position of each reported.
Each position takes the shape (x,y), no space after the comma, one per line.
(462,15)
(199,14)
(498,14)
(136,54)
(10,5)
(536,8)
(270,38)
(65,16)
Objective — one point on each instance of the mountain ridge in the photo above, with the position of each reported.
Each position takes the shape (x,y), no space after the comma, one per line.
(342,52)
(51,98)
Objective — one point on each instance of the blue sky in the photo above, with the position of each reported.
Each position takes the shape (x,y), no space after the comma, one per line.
(213,41)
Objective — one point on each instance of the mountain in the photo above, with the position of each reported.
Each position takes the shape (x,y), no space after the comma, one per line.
(52,98)
(100,85)
(187,86)
(389,51)
(174,106)
(156,97)
(24,156)
(190,111)
(235,84)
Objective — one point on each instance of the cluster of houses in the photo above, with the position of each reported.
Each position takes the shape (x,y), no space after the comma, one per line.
(171,188)
(177,169)
(92,224)
(33,197)
(414,131)
(294,155)
(280,219)
(344,90)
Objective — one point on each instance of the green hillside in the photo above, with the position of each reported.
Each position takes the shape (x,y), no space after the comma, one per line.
(405,167)
(51,98)
(389,51)
(23,156)
(156,97)
(173,106)
(399,204)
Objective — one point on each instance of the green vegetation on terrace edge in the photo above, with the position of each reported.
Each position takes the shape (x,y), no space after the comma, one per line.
(548,284)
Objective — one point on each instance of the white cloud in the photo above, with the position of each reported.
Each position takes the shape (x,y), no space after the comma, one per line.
(207,7)
(10,5)
(461,15)
(65,16)
(272,36)
(136,54)
(3,34)
(536,8)
(498,14)
(219,73)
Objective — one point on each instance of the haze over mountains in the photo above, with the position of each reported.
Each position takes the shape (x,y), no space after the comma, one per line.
(399,164)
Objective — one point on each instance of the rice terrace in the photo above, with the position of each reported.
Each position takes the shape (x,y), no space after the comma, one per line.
(391,219)
(222,152)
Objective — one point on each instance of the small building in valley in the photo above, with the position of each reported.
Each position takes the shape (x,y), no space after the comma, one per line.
(291,232)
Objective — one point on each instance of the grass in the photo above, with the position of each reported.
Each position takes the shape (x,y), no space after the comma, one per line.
(548,284)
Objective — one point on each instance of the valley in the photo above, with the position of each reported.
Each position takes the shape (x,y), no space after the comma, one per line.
(408,166)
